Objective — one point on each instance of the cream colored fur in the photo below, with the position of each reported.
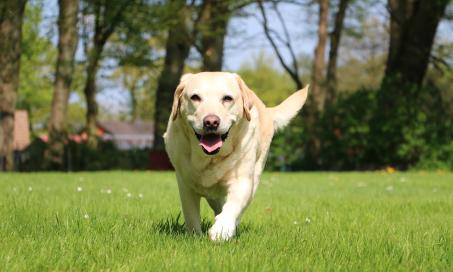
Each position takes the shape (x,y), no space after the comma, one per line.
(229,179)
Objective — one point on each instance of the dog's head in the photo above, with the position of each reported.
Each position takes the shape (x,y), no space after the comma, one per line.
(211,103)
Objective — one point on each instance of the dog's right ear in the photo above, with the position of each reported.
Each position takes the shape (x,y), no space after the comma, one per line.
(177,96)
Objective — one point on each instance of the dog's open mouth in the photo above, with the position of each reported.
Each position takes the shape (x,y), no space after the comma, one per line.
(211,142)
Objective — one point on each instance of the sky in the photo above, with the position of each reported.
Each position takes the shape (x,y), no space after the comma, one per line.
(245,41)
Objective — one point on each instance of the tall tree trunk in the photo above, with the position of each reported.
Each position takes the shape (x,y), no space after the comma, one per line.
(335,38)
(318,64)
(107,16)
(11,17)
(315,105)
(413,39)
(90,93)
(400,12)
(213,29)
(177,50)
(67,44)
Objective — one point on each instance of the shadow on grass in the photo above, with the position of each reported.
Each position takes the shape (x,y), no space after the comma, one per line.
(174,226)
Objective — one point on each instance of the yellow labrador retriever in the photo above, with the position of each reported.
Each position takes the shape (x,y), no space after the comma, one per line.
(217,138)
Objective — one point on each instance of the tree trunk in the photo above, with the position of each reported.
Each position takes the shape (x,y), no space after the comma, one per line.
(335,39)
(400,12)
(11,16)
(107,16)
(67,44)
(412,38)
(177,50)
(90,93)
(318,63)
(315,105)
(213,29)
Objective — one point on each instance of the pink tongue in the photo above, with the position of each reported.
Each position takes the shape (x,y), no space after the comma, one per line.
(211,142)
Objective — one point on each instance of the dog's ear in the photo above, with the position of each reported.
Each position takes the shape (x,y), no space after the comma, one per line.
(177,96)
(246,94)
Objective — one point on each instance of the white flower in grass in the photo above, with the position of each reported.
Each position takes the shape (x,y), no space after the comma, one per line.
(389,188)
(30,189)
(295,222)
(140,195)
(108,191)
(307,220)
(79,189)
(403,179)
(86,216)
(129,195)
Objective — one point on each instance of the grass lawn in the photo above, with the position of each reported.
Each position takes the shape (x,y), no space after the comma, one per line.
(304,221)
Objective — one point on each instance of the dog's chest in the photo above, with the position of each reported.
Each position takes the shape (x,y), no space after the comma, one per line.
(209,178)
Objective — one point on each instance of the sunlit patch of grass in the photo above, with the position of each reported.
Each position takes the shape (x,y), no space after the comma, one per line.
(300,221)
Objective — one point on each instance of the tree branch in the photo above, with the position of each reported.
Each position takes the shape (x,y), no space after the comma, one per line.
(292,73)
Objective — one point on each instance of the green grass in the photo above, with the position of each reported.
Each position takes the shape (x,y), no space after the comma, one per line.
(309,221)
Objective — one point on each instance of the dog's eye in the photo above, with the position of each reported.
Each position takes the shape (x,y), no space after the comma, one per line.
(195,97)
(227,98)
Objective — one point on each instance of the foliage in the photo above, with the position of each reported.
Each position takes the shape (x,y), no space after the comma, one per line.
(345,129)
(36,70)
(270,84)
(417,136)
(286,151)
(128,221)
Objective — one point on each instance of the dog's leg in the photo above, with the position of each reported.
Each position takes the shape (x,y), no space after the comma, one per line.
(238,197)
(216,205)
(190,202)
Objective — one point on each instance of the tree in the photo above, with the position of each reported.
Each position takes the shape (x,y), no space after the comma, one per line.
(11,17)
(292,68)
(317,76)
(212,29)
(67,44)
(176,52)
(107,15)
(138,81)
(335,38)
(413,26)
(36,85)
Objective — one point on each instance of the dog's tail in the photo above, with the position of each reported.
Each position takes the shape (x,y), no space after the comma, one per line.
(283,113)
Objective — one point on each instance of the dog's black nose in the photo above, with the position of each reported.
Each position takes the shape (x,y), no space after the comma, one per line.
(211,122)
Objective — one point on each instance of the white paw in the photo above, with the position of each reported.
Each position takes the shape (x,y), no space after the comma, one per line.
(223,229)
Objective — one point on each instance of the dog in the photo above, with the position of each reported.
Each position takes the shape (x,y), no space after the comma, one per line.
(217,139)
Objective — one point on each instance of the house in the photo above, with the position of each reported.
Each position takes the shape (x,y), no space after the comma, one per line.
(127,135)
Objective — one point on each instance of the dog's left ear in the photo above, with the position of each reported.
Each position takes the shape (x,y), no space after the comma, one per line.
(177,96)
(246,94)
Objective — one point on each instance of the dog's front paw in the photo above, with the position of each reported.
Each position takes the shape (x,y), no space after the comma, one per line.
(223,229)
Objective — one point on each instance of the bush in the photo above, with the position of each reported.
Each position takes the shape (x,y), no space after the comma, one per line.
(356,134)
(286,151)
(345,131)
(81,157)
